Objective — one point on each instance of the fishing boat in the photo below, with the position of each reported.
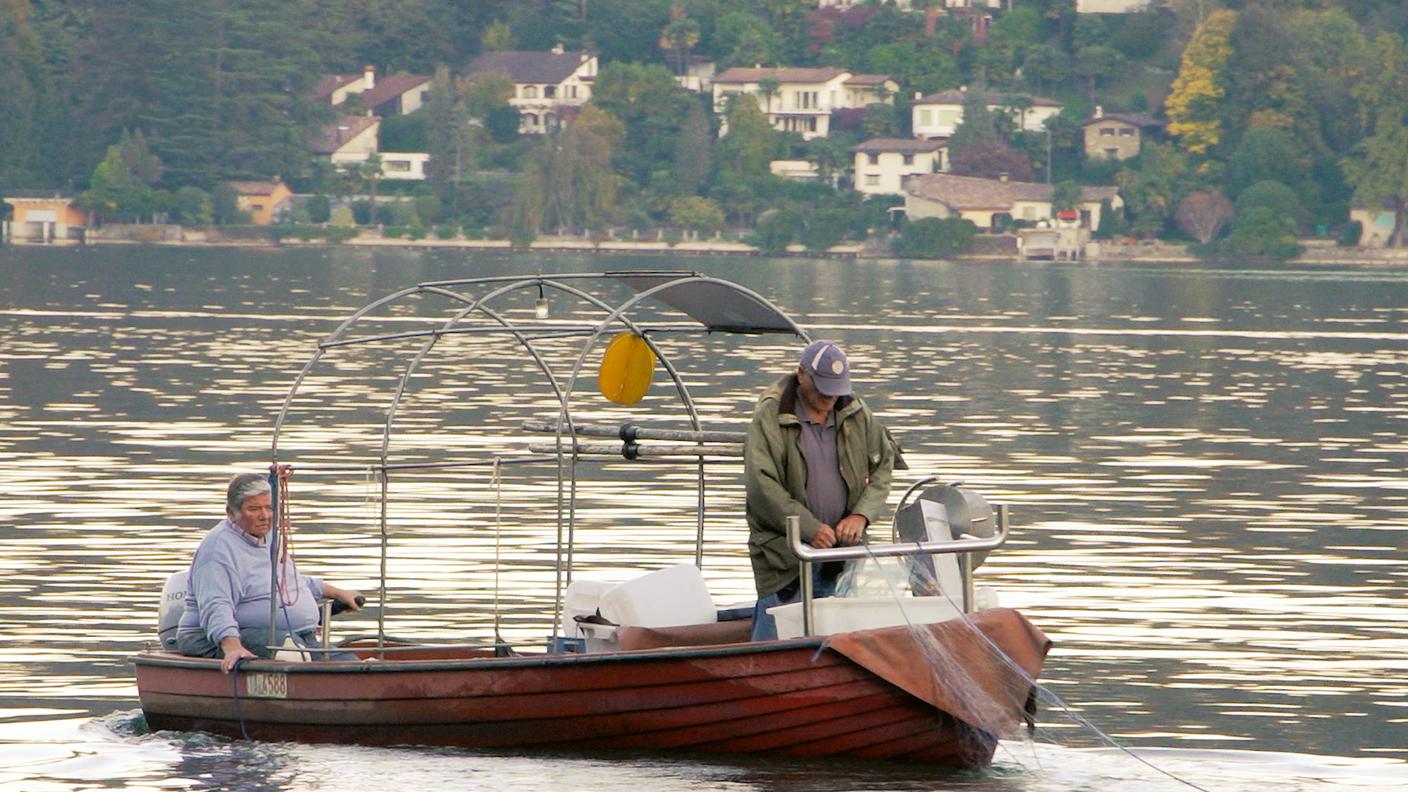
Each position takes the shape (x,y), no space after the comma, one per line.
(926,669)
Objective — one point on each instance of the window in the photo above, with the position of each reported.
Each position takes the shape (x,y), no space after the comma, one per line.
(926,117)
(530,92)
(1126,132)
(909,159)
(1107,132)
(1112,153)
(571,92)
(811,124)
(874,159)
(872,180)
(549,91)
(398,166)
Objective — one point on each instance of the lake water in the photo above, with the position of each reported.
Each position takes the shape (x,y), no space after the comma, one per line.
(1205,468)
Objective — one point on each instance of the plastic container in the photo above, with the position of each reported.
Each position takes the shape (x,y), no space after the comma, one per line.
(834,615)
(668,597)
(582,598)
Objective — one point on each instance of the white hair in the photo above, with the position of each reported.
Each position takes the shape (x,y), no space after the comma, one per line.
(243,487)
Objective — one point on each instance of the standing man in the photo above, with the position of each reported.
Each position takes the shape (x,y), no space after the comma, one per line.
(227,593)
(816,452)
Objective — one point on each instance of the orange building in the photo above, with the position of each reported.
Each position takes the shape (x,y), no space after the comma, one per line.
(264,200)
(50,218)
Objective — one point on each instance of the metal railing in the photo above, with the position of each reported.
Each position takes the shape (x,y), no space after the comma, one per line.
(966,544)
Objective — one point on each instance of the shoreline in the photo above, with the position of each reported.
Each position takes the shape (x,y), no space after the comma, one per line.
(1315,255)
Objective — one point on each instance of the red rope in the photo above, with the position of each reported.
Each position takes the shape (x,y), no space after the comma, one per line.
(285,528)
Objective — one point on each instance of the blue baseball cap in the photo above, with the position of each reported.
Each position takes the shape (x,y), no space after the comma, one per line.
(826,364)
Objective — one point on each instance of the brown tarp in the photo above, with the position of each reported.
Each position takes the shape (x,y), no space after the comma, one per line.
(981,670)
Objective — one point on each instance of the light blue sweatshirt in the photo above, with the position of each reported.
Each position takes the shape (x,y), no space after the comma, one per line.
(228,589)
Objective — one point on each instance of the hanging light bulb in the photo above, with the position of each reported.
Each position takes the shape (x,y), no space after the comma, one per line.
(540,306)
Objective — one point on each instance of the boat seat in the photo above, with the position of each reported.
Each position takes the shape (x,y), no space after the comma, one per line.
(669,597)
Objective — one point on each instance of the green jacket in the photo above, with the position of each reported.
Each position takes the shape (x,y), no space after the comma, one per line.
(776,476)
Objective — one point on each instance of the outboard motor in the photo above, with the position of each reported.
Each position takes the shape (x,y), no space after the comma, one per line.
(173,604)
(941,513)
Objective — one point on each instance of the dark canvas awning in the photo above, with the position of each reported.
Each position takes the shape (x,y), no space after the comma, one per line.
(718,305)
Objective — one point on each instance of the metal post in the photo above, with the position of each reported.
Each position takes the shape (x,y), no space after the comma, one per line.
(274,537)
(327,628)
(966,564)
(1048,155)
(794,534)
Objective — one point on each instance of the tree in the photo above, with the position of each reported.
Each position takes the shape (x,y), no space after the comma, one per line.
(697,214)
(1378,171)
(646,98)
(741,38)
(829,156)
(1268,214)
(363,177)
(191,206)
(1096,64)
(1045,66)
(1377,167)
(769,87)
(121,187)
(1266,154)
(1153,187)
(483,93)
(1202,215)
(21,72)
(498,37)
(450,137)
(978,127)
(679,37)
(991,161)
(1194,101)
(225,206)
(1067,196)
(933,237)
(694,151)
(751,143)
(570,184)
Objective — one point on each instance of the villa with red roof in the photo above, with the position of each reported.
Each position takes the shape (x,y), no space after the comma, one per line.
(397,94)
(802,100)
(548,87)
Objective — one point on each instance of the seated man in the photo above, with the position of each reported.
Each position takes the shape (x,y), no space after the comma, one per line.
(227,593)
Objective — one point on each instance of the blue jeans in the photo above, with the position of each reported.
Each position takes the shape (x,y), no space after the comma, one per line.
(764,625)
(195,643)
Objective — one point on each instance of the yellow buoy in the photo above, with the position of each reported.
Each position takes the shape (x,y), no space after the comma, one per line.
(627,367)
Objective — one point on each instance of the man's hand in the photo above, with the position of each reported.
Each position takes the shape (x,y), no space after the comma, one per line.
(347,597)
(851,529)
(234,651)
(825,537)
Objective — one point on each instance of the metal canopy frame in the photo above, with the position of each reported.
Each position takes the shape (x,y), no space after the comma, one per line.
(702,298)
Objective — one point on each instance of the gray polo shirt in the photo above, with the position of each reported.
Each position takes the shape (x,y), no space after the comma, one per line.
(826,490)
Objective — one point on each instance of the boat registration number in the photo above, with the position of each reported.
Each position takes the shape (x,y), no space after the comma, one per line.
(266,685)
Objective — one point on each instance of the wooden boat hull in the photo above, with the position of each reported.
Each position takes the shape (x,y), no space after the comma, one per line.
(797,698)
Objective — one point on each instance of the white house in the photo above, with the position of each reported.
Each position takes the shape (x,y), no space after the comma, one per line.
(983,201)
(802,100)
(1110,6)
(882,164)
(548,87)
(938,115)
(409,166)
(350,140)
(398,94)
